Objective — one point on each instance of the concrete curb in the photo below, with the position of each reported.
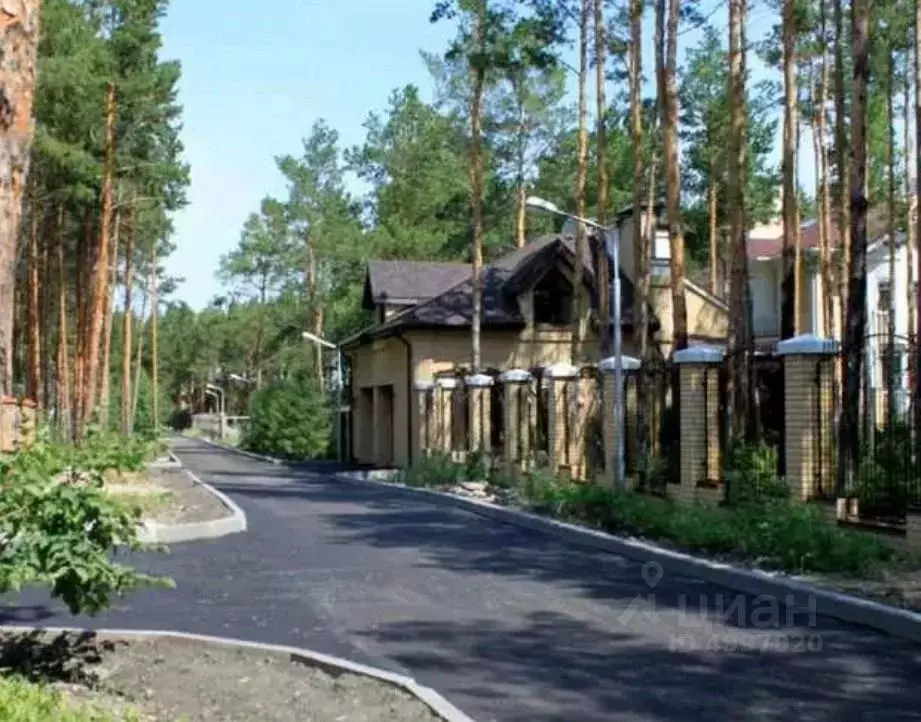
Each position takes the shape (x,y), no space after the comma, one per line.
(790,591)
(172,462)
(428,696)
(151,532)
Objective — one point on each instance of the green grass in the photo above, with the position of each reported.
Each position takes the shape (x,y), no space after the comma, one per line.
(144,504)
(22,701)
(764,529)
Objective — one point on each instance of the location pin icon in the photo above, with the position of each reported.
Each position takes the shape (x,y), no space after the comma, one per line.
(652,573)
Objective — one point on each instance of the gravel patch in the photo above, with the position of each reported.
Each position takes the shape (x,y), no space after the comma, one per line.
(171,679)
(179,499)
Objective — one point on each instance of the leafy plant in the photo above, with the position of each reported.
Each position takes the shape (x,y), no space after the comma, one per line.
(58,528)
(23,701)
(752,472)
(289,420)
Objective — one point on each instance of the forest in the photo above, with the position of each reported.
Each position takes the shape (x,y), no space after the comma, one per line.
(91,327)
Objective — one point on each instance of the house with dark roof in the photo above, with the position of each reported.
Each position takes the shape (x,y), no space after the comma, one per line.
(422,324)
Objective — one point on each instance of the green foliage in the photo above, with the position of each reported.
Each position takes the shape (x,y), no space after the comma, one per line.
(23,701)
(768,529)
(290,420)
(59,528)
(752,472)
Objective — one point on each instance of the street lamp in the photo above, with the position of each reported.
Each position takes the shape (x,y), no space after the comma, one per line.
(612,243)
(313,338)
(217,390)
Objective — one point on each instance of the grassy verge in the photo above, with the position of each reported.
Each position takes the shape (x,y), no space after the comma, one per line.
(143,504)
(768,531)
(22,701)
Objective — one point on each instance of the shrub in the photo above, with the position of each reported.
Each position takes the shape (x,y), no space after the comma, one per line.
(61,533)
(435,469)
(751,469)
(289,420)
(22,701)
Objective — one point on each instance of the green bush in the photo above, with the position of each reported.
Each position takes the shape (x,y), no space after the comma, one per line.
(751,469)
(764,527)
(22,701)
(289,420)
(58,528)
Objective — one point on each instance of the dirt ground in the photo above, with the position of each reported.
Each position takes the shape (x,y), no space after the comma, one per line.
(896,588)
(168,680)
(168,496)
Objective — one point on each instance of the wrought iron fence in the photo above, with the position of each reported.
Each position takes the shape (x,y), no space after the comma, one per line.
(652,434)
(887,477)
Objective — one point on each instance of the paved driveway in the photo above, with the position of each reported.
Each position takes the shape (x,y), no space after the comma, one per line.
(509,624)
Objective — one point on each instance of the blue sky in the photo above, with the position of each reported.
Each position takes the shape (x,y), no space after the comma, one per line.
(256,78)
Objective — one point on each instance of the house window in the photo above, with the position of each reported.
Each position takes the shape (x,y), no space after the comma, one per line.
(884,302)
(553,299)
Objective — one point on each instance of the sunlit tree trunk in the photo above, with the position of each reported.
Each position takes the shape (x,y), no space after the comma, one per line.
(475,170)
(790,273)
(154,343)
(842,155)
(601,160)
(139,361)
(33,329)
(822,194)
(127,321)
(100,280)
(893,246)
(666,67)
(18,43)
(63,405)
(910,200)
(579,305)
(106,380)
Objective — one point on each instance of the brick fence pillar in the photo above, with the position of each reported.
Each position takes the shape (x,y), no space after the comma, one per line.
(809,369)
(616,436)
(517,390)
(425,414)
(479,387)
(562,399)
(444,413)
(700,417)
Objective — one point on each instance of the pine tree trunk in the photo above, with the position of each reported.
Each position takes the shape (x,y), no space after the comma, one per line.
(855,326)
(712,199)
(81,303)
(739,294)
(602,265)
(106,382)
(101,266)
(18,44)
(154,342)
(127,320)
(579,305)
(841,153)
(139,364)
(893,246)
(822,181)
(316,317)
(640,246)
(47,327)
(669,107)
(521,184)
(33,329)
(478,81)
(521,215)
(790,271)
(917,217)
(910,203)
(63,405)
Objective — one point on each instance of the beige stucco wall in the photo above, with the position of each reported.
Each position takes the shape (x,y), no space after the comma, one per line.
(706,317)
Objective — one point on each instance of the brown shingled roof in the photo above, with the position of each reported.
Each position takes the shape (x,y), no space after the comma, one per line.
(772,246)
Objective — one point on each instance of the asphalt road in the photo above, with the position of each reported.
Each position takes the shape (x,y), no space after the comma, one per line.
(510,625)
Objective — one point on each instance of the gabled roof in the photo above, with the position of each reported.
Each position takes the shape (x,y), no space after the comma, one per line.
(406,283)
(502,281)
(771,245)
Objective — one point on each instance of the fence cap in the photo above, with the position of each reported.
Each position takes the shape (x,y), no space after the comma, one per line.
(562,371)
(479,380)
(518,376)
(807,344)
(447,382)
(700,355)
(424,385)
(627,363)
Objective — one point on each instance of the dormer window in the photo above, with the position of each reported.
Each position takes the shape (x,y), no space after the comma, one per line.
(553,299)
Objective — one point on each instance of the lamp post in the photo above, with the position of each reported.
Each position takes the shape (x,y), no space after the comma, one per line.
(612,243)
(221,408)
(217,400)
(313,338)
